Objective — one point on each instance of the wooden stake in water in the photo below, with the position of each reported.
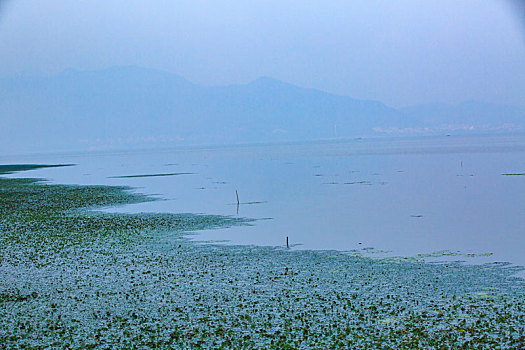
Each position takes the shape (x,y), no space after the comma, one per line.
(287,245)
(237,197)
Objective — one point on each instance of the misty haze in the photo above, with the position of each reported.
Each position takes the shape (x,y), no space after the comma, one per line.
(262,175)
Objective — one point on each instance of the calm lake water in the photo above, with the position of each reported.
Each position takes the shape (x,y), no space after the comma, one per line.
(402,197)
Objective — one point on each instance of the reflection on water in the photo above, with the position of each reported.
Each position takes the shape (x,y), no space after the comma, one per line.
(400,196)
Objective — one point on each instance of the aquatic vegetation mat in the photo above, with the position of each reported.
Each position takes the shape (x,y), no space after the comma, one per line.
(10,168)
(71,277)
(148,175)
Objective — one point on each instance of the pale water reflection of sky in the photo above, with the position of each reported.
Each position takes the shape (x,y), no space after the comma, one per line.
(406,196)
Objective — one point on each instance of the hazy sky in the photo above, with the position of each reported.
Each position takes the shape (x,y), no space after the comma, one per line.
(399,52)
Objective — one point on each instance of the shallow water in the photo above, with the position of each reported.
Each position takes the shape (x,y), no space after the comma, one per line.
(73,278)
(399,196)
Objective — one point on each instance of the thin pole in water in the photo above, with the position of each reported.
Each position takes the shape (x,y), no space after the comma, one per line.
(237,195)
(287,245)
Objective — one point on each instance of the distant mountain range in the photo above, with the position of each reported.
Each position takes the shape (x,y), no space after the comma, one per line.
(131,107)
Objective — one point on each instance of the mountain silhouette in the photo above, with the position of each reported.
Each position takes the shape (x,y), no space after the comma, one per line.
(129,107)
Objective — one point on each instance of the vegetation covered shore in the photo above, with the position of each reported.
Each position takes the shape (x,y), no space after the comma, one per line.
(72,277)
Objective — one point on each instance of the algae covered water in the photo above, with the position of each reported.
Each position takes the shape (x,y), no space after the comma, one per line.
(457,197)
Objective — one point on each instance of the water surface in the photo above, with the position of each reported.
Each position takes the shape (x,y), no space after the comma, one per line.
(398,196)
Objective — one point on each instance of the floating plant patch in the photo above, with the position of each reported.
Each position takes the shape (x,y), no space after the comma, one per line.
(473,255)
(148,175)
(358,183)
(438,254)
(249,203)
